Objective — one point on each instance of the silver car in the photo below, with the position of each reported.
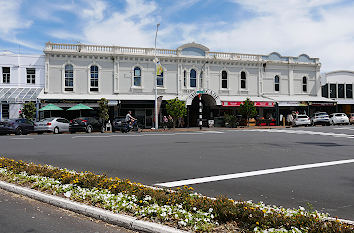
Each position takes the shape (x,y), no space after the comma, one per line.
(53,124)
(301,120)
(339,118)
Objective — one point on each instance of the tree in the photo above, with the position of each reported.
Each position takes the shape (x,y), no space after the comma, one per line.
(103,110)
(176,108)
(28,111)
(248,110)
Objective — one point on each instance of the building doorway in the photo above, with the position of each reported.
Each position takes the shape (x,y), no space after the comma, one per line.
(208,103)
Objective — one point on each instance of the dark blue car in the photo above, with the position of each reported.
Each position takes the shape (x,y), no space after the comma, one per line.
(16,126)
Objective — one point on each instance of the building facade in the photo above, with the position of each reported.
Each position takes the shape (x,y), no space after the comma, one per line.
(78,73)
(22,79)
(338,86)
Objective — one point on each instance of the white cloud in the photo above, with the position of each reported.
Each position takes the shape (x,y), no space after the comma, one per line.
(10,18)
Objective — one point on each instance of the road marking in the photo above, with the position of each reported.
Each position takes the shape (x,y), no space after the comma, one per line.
(92,136)
(212,132)
(289,131)
(22,138)
(252,173)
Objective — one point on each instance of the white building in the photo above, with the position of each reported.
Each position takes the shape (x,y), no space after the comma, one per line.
(125,76)
(338,86)
(22,79)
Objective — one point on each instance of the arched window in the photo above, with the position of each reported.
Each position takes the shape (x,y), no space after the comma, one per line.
(243,80)
(69,78)
(159,79)
(185,78)
(94,78)
(304,84)
(137,77)
(193,78)
(276,83)
(223,79)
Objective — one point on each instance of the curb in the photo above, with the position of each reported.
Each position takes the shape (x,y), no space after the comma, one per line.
(107,216)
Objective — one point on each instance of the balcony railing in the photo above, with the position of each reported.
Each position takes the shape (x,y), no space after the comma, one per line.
(100,49)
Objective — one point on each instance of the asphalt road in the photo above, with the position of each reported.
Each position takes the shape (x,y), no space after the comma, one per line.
(20,214)
(152,158)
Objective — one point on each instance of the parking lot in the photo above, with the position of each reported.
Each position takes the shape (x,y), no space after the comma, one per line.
(307,166)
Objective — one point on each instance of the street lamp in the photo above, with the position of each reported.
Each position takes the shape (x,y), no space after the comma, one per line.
(155,80)
(200,97)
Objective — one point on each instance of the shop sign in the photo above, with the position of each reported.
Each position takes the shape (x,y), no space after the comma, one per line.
(293,103)
(238,103)
(322,104)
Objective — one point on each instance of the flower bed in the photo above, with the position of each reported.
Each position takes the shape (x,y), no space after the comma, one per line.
(181,208)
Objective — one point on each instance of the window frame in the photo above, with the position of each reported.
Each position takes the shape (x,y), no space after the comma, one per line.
(224,79)
(195,78)
(276,83)
(68,88)
(340,95)
(324,90)
(346,90)
(304,84)
(335,91)
(134,77)
(6,77)
(244,80)
(30,77)
(94,79)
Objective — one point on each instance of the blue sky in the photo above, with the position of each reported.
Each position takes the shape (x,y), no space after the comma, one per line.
(319,28)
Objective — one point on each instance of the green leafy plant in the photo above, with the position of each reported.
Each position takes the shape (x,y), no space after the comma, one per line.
(176,108)
(103,110)
(28,111)
(247,110)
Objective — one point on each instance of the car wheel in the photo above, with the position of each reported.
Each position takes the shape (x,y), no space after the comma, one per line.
(89,129)
(56,130)
(19,131)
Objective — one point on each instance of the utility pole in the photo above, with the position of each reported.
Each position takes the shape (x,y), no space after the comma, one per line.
(200,96)
(155,80)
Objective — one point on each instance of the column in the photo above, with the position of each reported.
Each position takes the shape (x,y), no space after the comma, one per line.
(291,79)
(116,75)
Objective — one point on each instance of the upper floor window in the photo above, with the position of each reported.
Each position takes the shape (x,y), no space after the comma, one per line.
(243,80)
(137,77)
(341,91)
(69,78)
(332,90)
(6,74)
(94,78)
(349,91)
(31,75)
(223,79)
(276,83)
(185,78)
(325,91)
(304,84)
(193,78)
(159,79)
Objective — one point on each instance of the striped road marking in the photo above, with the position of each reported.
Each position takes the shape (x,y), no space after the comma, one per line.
(289,131)
(252,173)
(21,138)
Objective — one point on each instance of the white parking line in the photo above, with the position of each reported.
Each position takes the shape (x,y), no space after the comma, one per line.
(92,136)
(252,173)
(21,138)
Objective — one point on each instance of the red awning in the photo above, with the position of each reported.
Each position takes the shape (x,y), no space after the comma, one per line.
(256,103)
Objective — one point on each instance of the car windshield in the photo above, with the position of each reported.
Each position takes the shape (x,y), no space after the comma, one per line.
(321,114)
(339,114)
(47,119)
(302,116)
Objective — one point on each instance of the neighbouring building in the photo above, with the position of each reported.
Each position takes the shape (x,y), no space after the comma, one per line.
(338,86)
(22,79)
(78,73)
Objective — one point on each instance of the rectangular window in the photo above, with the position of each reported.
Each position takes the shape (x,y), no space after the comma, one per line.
(243,83)
(5,111)
(340,90)
(276,87)
(349,91)
(224,83)
(325,91)
(31,75)
(6,74)
(333,91)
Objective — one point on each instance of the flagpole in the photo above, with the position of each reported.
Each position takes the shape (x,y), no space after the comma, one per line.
(155,80)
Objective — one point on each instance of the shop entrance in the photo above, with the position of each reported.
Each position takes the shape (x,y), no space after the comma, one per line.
(208,103)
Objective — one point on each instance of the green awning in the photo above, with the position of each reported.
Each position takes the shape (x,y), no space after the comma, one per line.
(80,107)
(51,107)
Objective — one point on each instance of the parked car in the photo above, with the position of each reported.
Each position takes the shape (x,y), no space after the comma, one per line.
(320,118)
(338,118)
(86,124)
(351,118)
(53,124)
(301,120)
(16,126)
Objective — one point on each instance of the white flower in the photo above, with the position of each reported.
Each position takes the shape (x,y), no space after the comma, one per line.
(67,194)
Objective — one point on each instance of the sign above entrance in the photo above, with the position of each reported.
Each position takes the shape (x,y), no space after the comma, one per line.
(192,95)
(292,103)
(322,104)
(256,104)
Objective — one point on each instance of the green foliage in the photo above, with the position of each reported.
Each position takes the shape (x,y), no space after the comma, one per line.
(103,109)
(28,111)
(231,120)
(176,108)
(247,109)
(248,216)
